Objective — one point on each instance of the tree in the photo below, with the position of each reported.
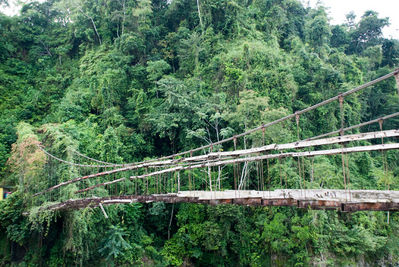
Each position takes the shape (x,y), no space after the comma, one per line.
(189,52)
(339,36)
(390,51)
(368,31)
(27,160)
(84,13)
(317,30)
(130,80)
(114,243)
(173,113)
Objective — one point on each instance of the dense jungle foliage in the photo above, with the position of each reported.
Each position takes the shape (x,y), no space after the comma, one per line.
(127,80)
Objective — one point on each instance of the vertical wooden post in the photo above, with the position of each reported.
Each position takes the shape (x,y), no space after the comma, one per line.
(235,166)
(279,171)
(262,179)
(258,173)
(189,173)
(146,181)
(297,124)
(178,181)
(210,178)
(301,184)
(341,107)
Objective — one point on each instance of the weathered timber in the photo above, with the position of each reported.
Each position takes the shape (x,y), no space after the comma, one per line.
(383,118)
(247,201)
(280,202)
(345,200)
(215,156)
(301,144)
(378,206)
(281,155)
(319,204)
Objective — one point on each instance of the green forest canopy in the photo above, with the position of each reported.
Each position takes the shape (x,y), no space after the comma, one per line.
(122,81)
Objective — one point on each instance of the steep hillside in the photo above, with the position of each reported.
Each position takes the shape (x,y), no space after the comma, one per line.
(122,81)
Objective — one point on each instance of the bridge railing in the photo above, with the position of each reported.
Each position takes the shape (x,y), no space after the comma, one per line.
(202,169)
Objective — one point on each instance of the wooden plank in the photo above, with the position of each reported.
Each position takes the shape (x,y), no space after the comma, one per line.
(306,198)
(279,202)
(302,144)
(383,118)
(378,206)
(282,155)
(247,201)
(319,204)
(258,158)
(296,145)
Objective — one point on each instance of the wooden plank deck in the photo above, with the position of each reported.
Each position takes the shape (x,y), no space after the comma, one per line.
(343,200)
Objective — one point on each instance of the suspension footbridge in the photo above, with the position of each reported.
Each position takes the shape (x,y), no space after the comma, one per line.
(228,172)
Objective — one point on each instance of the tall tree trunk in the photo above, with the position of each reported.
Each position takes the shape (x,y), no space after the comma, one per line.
(170,221)
(124,15)
(199,15)
(95,29)
(210,177)
(92,22)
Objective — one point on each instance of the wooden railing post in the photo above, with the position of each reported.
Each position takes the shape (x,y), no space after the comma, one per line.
(397,81)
